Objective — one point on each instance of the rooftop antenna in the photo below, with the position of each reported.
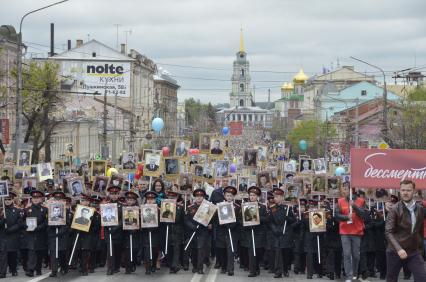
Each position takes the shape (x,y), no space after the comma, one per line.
(126,33)
(116,43)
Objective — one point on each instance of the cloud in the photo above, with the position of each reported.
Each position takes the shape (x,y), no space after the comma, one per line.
(280,35)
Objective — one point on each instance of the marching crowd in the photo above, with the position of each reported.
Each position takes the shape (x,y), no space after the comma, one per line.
(360,240)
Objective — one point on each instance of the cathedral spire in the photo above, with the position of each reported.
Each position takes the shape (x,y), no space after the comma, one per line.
(241,41)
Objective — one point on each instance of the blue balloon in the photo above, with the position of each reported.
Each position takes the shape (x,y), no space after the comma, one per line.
(157,124)
(339,171)
(303,145)
(225,130)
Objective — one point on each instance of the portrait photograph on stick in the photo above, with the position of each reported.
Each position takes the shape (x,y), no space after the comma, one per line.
(81,220)
(4,188)
(226,212)
(131,218)
(76,186)
(168,210)
(317,220)
(24,157)
(182,148)
(100,184)
(56,213)
(153,164)
(44,171)
(205,213)
(109,214)
(149,215)
(250,214)
(250,158)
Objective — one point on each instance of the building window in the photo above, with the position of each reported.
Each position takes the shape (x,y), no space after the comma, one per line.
(241,87)
(242,72)
(241,103)
(94,54)
(363,92)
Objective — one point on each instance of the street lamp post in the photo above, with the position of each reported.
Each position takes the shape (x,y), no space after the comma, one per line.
(385,98)
(18,129)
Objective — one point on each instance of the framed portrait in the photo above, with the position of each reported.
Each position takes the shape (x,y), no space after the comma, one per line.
(264,180)
(109,214)
(56,213)
(250,214)
(233,181)
(171,166)
(262,152)
(44,171)
(205,213)
(97,168)
(81,220)
(346,178)
(131,218)
(208,171)
(198,170)
(24,157)
(58,165)
(100,184)
(33,171)
(288,178)
(250,158)
(226,212)
(149,215)
(305,165)
(29,184)
(31,223)
(61,174)
(69,149)
(263,199)
(317,220)
(76,186)
(4,188)
(8,158)
(320,166)
(7,172)
(153,164)
(217,146)
(292,191)
(319,183)
(205,142)
(20,172)
(243,184)
(185,182)
(116,180)
(221,169)
(129,161)
(333,187)
(168,210)
(182,148)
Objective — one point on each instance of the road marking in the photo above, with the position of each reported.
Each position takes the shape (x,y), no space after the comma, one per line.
(211,277)
(44,276)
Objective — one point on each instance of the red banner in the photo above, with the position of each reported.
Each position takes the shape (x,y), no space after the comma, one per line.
(236,128)
(5,131)
(375,168)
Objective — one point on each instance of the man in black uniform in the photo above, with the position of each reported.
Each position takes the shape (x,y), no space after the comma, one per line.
(10,225)
(113,262)
(281,215)
(62,233)
(130,265)
(150,247)
(175,234)
(200,243)
(37,238)
(223,242)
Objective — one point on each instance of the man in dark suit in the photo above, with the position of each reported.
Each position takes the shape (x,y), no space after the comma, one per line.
(109,215)
(168,214)
(83,219)
(130,163)
(131,219)
(216,148)
(152,166)
(181,150)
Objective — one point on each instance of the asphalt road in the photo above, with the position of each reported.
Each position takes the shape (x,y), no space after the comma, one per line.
(211,275)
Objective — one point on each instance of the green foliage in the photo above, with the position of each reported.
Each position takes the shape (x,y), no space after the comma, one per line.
(418,94)
(315,133)
(200,116)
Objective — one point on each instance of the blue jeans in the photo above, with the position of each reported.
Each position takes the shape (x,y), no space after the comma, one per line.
(351,253)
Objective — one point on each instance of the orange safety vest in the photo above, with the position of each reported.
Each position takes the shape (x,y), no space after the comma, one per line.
(357,225)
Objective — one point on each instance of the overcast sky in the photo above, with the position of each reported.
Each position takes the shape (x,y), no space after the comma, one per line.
(281,36)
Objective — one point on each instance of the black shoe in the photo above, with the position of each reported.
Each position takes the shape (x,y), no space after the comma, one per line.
(330,276)
(53,274)
(14,273)
(85,273)
(128,272)
(116,270)
(200,272)
(110,272)
(337,276)
(29,274)
(185,268)
(2,276)
(230,273)
(194,270)
(91,271)
(319,276)
(223,271)
(382,277)
(285,274)
(252,274)
(278,275)
(296,271)
(216,265)
(309,277)
(174,270)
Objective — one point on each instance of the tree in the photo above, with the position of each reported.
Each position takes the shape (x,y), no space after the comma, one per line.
(315,133)
(418,94)
(40,98)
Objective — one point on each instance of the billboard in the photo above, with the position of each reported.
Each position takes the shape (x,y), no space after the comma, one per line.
(375,168)
(100,76)
(236,128)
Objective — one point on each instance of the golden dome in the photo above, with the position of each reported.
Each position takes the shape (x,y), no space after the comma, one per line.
(287,86)
(301,77)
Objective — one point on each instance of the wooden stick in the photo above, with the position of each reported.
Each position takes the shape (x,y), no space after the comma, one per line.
(253,242)
(285,223)
(167,238)
(131,248)
(230,239)
(190,239)
(73,248)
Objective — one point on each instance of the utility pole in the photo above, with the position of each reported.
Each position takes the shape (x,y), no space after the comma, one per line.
(385,99)
(18,125)
(357,124)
